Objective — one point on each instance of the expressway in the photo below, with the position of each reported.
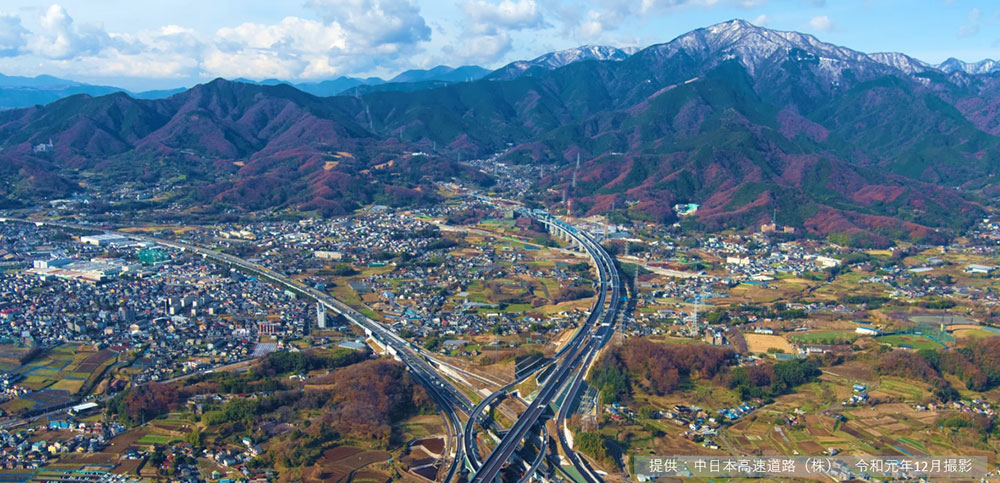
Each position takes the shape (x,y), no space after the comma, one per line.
(577,354)
(440,389)
(543,437)
(579,463)
(471,449)
(471,446)
(571,360)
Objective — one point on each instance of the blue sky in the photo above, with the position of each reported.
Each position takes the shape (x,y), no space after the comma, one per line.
(161,44)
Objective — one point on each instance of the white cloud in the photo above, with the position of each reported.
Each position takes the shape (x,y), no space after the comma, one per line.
(172,39)
(485,49)
(486,34)
(348,36)
(292,48)
(976,20)
(292,34)
(390,24)
(605,16)
(601,21)
(972,28)
(59,38)
(660,7)
(821,23)
(760,21)
(490,17)
(251,63)
(114,63)
(12,36)
(593,27)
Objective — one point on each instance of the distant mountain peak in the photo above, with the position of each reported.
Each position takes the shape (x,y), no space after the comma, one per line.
(984,66)
(902,62)
(759,49)
(735,24)
(442,73)
(560,58)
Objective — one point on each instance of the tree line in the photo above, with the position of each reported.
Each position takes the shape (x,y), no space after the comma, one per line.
(655,368)
(976,362)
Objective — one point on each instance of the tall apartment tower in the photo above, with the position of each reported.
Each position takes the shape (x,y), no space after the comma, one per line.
(320,315)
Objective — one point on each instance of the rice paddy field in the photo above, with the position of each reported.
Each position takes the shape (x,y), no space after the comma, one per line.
(59,373)
(66,367)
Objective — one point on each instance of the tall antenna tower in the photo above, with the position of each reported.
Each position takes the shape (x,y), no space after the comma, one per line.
(634,293)
(368,112)
(575,171)
(694,320)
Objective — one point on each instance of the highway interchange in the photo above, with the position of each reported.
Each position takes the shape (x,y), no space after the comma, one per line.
(571,361)
(570,370)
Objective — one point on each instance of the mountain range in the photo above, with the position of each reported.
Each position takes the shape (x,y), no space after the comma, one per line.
(18,91)
(748,122)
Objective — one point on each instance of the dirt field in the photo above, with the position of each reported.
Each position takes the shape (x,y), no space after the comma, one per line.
(762,342)
(340,463)
(811,447)
(119,444)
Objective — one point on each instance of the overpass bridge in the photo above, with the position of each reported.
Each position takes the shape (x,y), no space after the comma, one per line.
(570,362)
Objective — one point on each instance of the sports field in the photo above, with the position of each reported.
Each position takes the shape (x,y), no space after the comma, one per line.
(913,341)
(762,343)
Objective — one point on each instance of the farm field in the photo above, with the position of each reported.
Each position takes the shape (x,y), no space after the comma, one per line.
(57,375)
(341,463)
(890,429)
(155,439)
(916,342)
(66,367)
(762,343)
(823,337)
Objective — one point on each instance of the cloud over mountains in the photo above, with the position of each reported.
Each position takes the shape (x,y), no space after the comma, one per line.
(167,44)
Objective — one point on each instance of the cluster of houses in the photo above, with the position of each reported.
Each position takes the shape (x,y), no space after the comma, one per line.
(754,258)
(180,316)
(23,450)
(976,406)
(859,396)
(737,412)
(619,412)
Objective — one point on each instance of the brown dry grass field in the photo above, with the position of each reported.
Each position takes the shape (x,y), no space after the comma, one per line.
(760,343)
